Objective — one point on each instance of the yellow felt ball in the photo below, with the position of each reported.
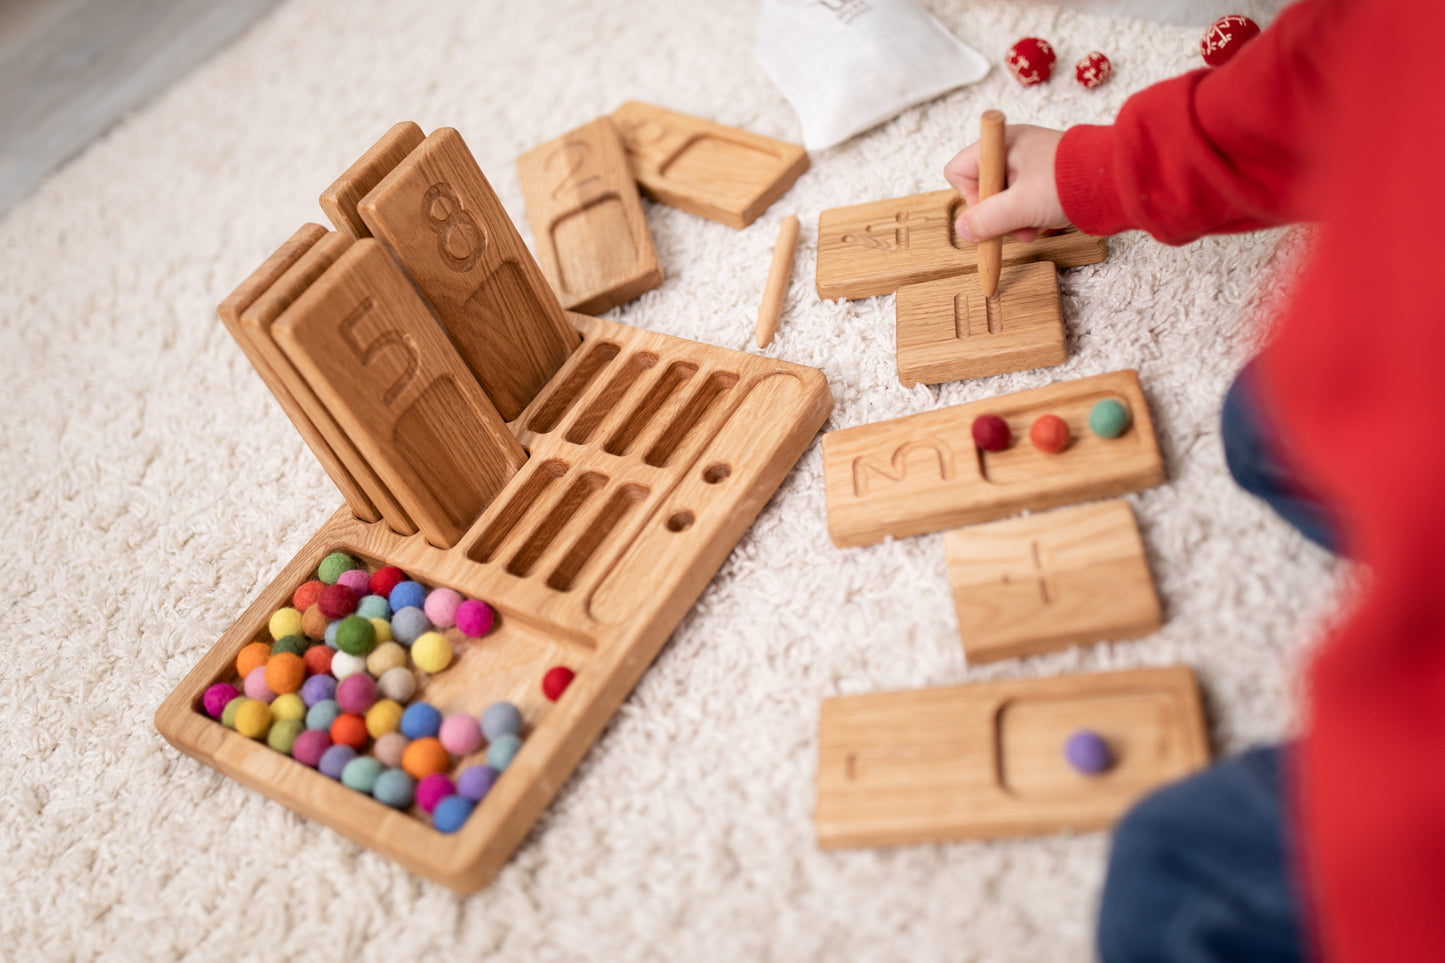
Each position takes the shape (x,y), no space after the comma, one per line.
(285,622)
(431,652)
(383,717)
(383,630)
(288,706)
(253,719)
(388,655)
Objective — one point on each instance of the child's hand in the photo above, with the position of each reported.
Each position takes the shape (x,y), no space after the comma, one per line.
(1030,202)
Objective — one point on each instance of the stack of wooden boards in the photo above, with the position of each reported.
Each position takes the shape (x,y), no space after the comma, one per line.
(986,760)
(583,477)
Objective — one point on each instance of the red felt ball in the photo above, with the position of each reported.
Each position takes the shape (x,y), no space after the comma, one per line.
(1031,61)
(306,594)
(336,601)
(1093,70)
(349,729)
(386,578)
(556,681)
(990,432)
(1224,38)
(1050,434)
(318,660)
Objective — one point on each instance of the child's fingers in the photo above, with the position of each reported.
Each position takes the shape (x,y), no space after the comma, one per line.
(962,172)
(1004,213)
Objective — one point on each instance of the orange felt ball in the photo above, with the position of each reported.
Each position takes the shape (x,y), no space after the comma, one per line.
(313,623)
(423,757)
(252,656)
(318,660)
(349,729)
(1050,433)
(285,671)
(307,593)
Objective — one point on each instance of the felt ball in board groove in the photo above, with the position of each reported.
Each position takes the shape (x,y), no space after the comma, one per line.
(1093,69)
(1031,61)
(1224,38)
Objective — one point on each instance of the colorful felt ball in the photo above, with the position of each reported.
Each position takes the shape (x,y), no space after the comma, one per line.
(306,593)
(1224,38)
(290,707)
(409,624)
(285,672)
(356,579)
(336,601)
(318,660)
(322,715)
(333,761)
(253,719)
(991,433)
(1031,61)
(431,652)
(474,618)
(503,750)
(397,683)
(373,607)
(255,685)
(309,746)
(1093,69)
(386,578)
(420,720)
(349,729)
(441,607)
(295,644)
(345,664)
(284,622)
(318,688)
(1086,752)
(384,658)
(556,681)
(355,636)
(216,697)
(1108,419)
(1050,434)
(476,781)
(361,774)
(433,789)
(253,655)
(282,736)
(407,595)
(389,747)
(356,693)
(460,734)
(314,623)
(452,813)
(422,757)
(500,719)
(394,788)
(383,717)
(228,714)
(333,565)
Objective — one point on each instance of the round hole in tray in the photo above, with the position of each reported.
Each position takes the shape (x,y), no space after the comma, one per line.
(716,472)
(680,522)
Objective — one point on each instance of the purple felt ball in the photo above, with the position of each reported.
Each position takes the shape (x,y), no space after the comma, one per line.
(474,618)
(216,698)
(1087,752)
(256,687)
(318,688)
(356,693)
(460,735)
(476,781)
(441,607)
(334,760)
(310,745)
(433,789)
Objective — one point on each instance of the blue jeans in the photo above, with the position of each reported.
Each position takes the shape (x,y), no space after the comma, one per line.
(1201,870)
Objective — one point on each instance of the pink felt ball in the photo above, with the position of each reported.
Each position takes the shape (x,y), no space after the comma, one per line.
(460,734)
(256,687)
(441,607)
(356,579)
(433,789)
(1224,38)
(216,698)
(1093,70)
(309,746)
(474,618)
(356,693)
(1031,61)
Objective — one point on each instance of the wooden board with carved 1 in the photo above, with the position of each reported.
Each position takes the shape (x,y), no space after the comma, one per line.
(986,760)
(947,329)
(591,235)
(721,173)
(1022,586)
(649,458)
(877,247)
(923,473)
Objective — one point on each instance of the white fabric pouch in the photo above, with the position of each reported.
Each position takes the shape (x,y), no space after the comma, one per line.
(849,65)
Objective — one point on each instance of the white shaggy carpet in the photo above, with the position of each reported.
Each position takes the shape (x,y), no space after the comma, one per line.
(154,487)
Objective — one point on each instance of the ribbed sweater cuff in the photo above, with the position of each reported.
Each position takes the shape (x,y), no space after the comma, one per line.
(1084,175)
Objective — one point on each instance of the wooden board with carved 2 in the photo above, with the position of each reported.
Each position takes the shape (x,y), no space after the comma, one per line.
(986,760)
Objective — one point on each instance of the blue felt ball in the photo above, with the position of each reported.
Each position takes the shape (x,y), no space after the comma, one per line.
(333,761)
(500,719)
(407,595)
(1087,752)
(409,624)
(420,720)
(331,628)
(503,750)
(373,607)
(322,714)
(394,788)
(451,813)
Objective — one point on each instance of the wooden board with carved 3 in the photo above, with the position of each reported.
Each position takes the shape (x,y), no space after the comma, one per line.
(923,473)
(1076,575)
(986,760)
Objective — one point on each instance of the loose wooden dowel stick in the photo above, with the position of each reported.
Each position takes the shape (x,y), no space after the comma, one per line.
(991,176)
(778,275)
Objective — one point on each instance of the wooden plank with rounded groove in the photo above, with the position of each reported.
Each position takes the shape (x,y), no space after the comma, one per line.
(340,199)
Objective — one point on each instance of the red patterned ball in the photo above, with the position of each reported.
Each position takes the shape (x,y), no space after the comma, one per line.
(1093,70)
(1031,61)
(1224,38)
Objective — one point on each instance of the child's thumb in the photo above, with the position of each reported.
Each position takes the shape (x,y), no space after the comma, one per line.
(996,216)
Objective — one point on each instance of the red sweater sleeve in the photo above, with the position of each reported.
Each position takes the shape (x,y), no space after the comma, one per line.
(1218,150)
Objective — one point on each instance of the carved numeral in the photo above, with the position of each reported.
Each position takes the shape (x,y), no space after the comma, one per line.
(366,353)
(571,157)
(895,470)
(460,239)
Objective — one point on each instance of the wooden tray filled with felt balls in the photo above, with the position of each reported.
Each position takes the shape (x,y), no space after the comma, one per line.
(534,499)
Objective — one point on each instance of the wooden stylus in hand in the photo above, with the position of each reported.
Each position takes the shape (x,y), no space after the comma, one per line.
(991,176)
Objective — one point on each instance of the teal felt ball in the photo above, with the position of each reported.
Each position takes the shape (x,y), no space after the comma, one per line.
(361,774)
(1108,419)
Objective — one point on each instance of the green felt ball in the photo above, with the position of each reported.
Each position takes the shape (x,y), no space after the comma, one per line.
(1109,419)
(228,714)
(361,773)
(356,635)
(333,565)
(283,734)
(294,644)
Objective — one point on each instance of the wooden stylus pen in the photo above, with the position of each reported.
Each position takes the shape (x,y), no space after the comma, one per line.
(991,175)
